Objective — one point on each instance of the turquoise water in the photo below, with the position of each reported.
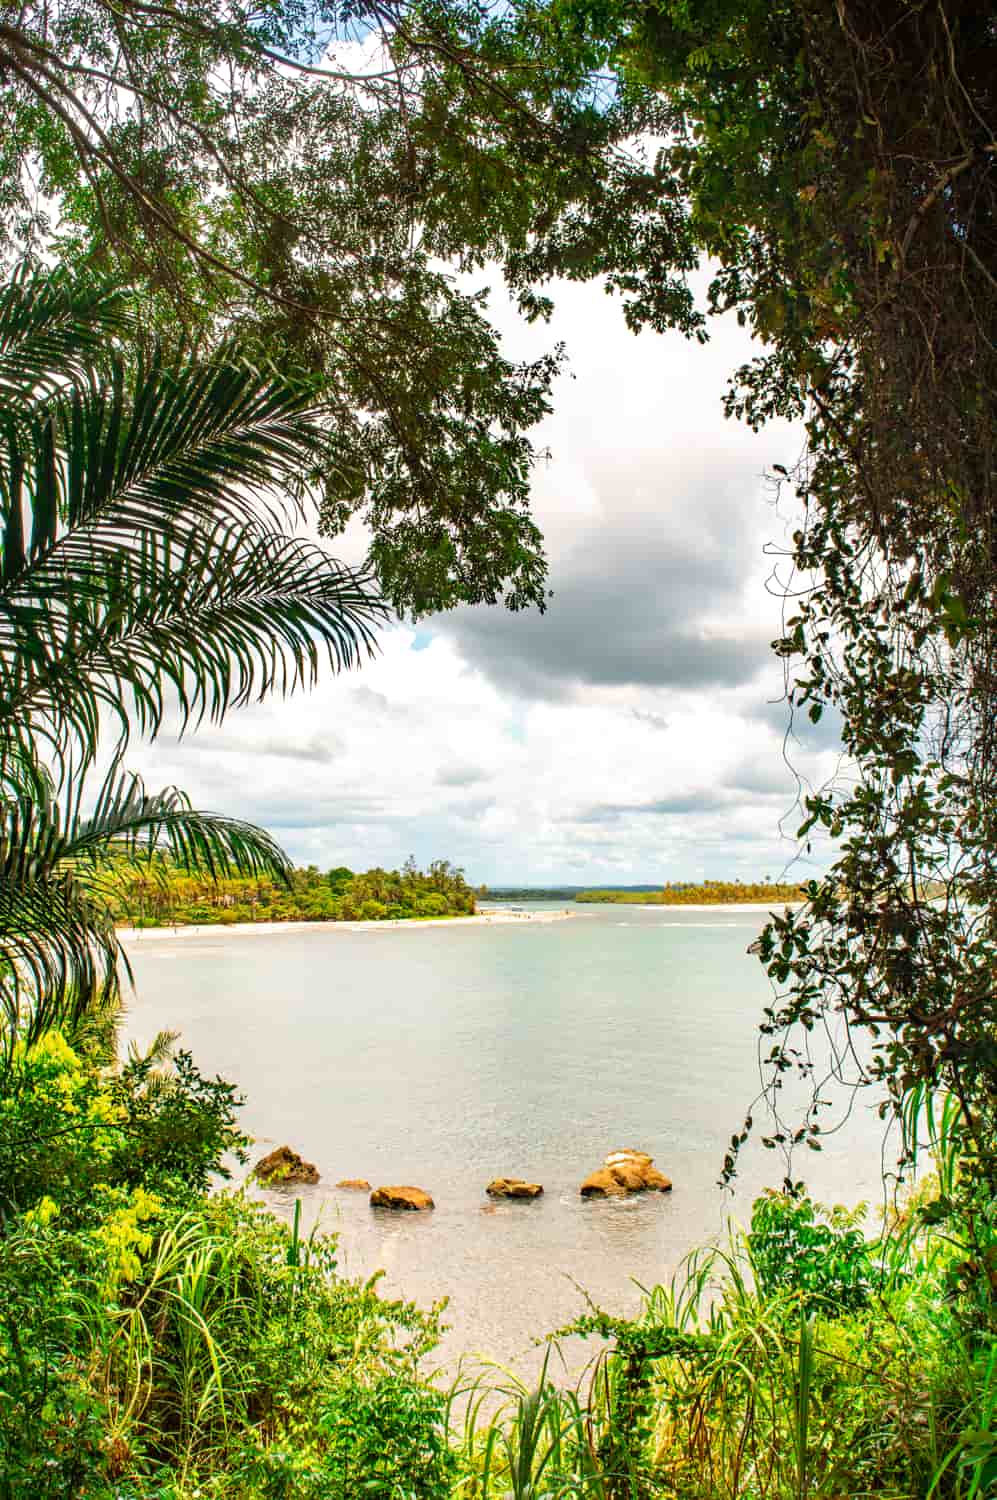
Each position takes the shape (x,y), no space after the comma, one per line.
(445,1056)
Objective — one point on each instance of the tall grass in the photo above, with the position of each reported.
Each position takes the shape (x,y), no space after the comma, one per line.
(231,1342)
(722,1391)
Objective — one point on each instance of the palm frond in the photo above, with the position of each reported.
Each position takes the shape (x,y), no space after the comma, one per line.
(53,329)
(146,450)
(59,954)
(159,1053)
(128,824)
(141,556)
(145,561)
(207,621)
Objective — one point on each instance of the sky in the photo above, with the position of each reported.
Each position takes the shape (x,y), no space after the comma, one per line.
(634,732)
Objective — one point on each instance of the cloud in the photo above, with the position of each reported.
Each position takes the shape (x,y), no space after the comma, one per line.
(625,735)
(695,803)
(655,513)
(460,776)
(320,751)
(765,775)
(651,719)
(640,604)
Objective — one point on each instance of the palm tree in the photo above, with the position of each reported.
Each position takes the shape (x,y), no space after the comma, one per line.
(146,567)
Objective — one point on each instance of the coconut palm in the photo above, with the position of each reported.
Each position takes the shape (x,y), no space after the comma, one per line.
(147,568)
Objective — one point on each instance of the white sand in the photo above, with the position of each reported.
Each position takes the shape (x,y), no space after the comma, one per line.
(713,906)
(263,929)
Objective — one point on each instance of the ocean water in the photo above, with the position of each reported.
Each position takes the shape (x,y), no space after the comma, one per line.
(445,1056)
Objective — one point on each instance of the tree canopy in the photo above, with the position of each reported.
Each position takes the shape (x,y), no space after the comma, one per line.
(209,156)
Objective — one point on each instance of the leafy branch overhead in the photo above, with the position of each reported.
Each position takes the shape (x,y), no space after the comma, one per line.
(209,157)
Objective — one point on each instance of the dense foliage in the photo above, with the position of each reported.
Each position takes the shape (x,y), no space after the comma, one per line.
(154,1337)
(160,895)
(209,156)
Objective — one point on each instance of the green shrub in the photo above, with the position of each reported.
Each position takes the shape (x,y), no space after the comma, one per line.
(799,1246)
(54,1423)
(385,1439)
(68,1127)
(152,1335)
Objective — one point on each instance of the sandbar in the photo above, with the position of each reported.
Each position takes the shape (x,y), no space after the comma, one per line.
(267,929)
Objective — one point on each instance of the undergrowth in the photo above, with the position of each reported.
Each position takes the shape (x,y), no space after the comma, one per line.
(160,1340)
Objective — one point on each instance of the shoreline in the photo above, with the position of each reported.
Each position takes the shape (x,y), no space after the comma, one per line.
(268,929)
(756,906)
(500,916)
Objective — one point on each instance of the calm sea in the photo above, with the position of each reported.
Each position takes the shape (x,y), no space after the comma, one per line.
(445,1056)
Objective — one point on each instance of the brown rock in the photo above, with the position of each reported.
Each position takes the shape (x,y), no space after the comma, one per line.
(638,1158)
(513,1187)
(401,1197)
(602,1184)
(625,1172)
(284,1167)
(630,1175)
(359,1183)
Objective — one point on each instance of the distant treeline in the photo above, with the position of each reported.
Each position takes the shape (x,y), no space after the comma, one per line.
(709,893)
(166,897)
(547,893)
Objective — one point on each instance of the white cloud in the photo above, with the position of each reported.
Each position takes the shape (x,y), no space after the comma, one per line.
(626,735)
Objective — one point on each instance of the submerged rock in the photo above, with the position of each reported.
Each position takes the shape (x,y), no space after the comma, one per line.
(513,1187)
(359,1183)
(623,1173)
(401,1197)
(284,1167)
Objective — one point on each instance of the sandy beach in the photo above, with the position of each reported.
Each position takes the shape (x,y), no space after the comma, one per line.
(715,906)
(265,929)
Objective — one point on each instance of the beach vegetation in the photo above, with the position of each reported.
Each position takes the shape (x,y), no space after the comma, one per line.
(162,895)
(156,1337)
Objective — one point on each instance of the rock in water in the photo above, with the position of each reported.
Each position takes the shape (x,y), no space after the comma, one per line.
(284,1167)
(513,1187)
(625,1172)
(360,1183)
(603,1184)
(637,1158)
(400,1197)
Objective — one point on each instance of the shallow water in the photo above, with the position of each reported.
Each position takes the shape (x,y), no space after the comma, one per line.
(445,1056)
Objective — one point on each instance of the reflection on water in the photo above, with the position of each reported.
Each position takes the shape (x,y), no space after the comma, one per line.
(447,1056)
